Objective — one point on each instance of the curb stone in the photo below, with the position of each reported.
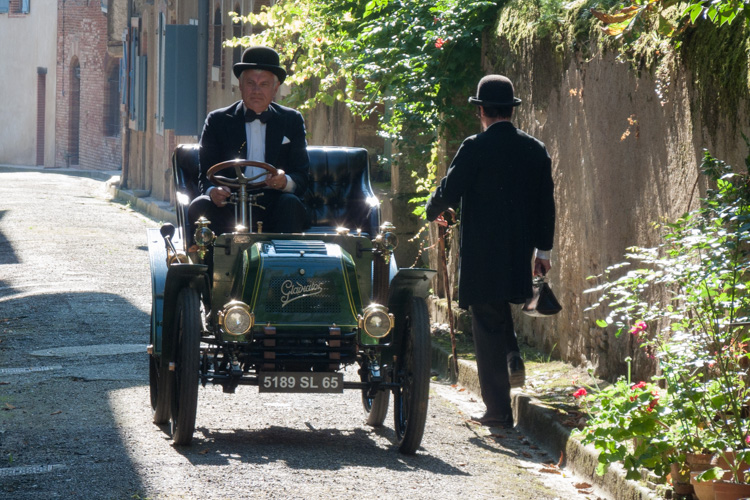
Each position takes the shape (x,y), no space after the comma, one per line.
(535,419)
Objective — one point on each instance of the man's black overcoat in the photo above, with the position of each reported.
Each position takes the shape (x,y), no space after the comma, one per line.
(224,139)
(502,179)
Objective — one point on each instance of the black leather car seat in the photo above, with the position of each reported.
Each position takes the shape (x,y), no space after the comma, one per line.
(339,193)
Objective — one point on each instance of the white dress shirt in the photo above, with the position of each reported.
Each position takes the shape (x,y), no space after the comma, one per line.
(255,133)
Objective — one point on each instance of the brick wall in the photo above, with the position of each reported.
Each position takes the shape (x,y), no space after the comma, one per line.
(82,38)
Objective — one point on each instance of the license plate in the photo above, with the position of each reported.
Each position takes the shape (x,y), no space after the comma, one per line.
(301,382)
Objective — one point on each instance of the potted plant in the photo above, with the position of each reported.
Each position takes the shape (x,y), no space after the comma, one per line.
(627,424)
(731,476)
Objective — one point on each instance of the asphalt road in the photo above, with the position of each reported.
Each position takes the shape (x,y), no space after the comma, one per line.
(75,420)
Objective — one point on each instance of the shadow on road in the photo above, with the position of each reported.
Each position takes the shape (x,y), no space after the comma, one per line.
(7,252)
(58,436)
(321,449)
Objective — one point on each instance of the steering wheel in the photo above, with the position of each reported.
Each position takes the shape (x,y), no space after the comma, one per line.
(239,169)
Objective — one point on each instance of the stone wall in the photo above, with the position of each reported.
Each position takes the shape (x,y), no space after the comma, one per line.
(626,148)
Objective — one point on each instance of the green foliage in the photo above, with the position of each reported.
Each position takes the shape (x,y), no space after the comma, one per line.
(635,19)
(629,425)
(412,63)
(686,302)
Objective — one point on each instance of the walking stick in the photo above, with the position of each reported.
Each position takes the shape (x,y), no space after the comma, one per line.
(442,232)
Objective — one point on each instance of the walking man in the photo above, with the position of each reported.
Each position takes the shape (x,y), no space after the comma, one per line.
(502,179)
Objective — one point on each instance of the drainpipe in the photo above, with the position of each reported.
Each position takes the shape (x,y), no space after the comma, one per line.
(126,128)
(202,63)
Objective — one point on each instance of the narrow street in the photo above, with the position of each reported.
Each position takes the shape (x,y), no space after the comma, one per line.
(75,419)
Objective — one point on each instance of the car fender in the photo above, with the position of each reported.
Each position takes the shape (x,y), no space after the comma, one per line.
(178,277)
(407,283)
(157,254)
(166,282)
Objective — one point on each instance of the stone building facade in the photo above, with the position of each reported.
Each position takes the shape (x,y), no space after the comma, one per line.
(27,77)
(87,96)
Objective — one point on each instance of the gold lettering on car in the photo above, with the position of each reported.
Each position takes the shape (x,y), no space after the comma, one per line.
(291,291)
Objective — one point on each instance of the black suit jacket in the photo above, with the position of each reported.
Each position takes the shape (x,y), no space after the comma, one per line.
(502,179)
(224,139)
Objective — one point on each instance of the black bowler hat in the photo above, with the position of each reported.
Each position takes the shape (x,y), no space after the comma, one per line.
(260,58)
(495,91)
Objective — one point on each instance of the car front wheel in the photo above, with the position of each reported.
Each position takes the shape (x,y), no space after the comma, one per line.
(412,373)
(187,366)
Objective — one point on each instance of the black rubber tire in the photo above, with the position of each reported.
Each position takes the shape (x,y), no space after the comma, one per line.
(187,366)
(412,372)
(376,408)
(161,391)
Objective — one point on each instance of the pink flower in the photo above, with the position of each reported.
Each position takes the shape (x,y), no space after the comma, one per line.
(639,385)
(639,328)
(747,439)
(580,392)
(439,43)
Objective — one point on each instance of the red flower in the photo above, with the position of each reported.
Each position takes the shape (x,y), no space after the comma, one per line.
(639,385)
(439,43)
(639,328)
(653,403)
(580,392)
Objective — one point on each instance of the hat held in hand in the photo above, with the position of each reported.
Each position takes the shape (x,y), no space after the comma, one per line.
(260,57)
(495,91)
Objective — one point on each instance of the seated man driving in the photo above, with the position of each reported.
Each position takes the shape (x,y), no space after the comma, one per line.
(258,129)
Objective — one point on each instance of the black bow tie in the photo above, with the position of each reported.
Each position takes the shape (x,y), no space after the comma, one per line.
(251,115)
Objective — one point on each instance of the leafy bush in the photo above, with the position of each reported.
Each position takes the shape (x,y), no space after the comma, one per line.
(694,287)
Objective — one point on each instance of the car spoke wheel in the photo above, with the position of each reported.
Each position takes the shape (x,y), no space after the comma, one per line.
(160,387)
(413,377)
(187,366)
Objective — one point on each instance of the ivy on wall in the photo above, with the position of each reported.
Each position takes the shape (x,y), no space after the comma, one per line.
(410,62)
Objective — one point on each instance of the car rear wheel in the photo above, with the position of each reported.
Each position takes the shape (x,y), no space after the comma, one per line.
(160,387)
(376,408)
(187,366)
(412,373)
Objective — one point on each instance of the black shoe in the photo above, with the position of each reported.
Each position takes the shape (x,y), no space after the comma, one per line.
(516,370)
(503,421)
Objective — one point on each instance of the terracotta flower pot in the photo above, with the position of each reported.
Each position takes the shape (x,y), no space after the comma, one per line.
(725,490)
(698,462)
(704,490)
(681,479)
(727,461)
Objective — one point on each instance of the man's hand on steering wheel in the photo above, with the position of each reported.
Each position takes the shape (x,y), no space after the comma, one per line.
(277,181)
(219,195)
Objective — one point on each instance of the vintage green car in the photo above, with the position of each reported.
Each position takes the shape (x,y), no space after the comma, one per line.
(289,312)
